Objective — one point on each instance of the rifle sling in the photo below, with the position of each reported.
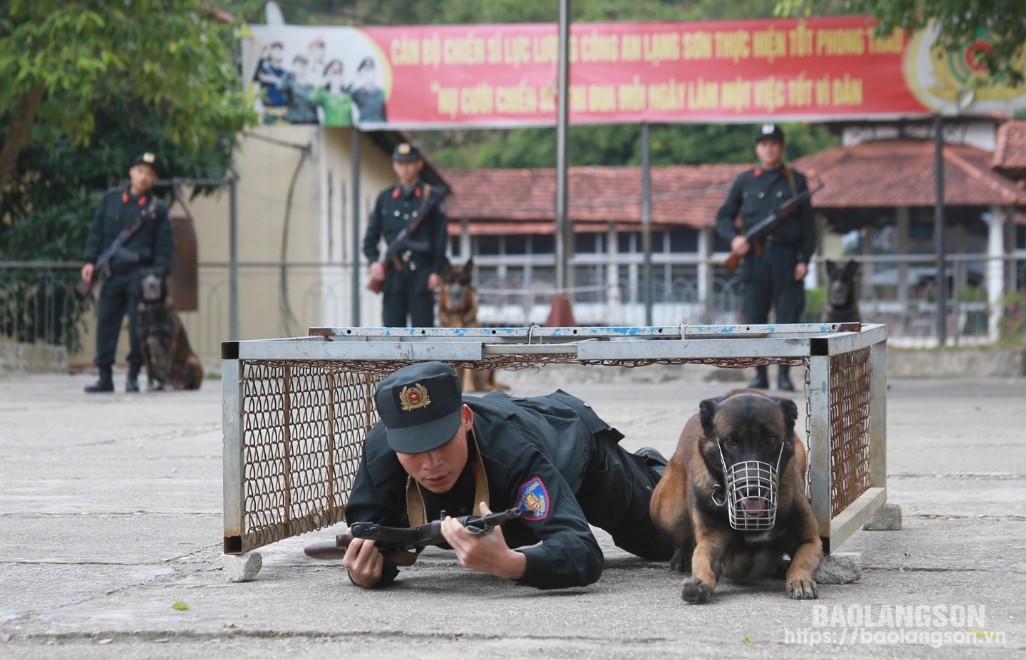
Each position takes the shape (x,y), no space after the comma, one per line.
(416,511)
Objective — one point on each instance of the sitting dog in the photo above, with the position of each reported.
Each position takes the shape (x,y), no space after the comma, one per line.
(842,292)
(732,498)
(162,339)
(457,308)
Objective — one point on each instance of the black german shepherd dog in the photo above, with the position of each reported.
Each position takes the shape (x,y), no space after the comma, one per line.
(170,361)
(842,292)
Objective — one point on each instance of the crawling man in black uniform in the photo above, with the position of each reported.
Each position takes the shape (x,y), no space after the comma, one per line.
(437,450)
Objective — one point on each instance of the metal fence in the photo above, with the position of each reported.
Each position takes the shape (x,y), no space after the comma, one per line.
(37,303)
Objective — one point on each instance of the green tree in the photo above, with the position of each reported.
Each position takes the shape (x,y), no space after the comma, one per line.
(63,60)
(960,22)
(89,84)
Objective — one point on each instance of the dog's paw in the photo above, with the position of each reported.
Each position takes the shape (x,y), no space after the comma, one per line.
(681,562)
(802,589)
(696,591)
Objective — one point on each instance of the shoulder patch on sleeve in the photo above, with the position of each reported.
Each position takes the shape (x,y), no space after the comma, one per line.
(533,498)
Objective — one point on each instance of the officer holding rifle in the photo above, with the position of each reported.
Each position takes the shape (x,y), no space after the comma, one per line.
(774,267)
(551,457)
(407,279)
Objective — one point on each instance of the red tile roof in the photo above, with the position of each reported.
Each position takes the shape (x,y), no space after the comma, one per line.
(1010,150)
(888,173)
(681,195)
(884,173)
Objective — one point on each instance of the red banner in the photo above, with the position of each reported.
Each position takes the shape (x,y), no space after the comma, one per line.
(506,75)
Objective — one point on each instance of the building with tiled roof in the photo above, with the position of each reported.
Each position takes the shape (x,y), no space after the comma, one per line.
(1010,150)
(523,200)
(883,190)
(869,176)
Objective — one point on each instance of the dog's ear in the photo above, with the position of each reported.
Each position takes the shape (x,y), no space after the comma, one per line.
(446,267)
(469,266)
(831,268)
(706,414)
(851,268)
(790,409)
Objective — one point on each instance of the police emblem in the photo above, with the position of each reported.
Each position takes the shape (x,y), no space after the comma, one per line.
(533,498)
(412,398)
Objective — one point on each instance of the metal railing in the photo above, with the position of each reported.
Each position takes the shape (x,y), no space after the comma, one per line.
(37,303)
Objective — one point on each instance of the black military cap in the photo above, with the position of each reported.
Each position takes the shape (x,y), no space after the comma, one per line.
(769,132)
(420,406)
(405,151)
(147,158)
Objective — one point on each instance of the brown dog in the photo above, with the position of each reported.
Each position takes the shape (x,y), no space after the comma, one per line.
(162,339)
(457,308)
(732,498)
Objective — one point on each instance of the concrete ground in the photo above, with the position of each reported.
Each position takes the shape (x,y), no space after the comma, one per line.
(110,515)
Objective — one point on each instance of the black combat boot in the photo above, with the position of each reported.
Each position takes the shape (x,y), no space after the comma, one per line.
(106,382)
(784,383)
(761,380)
(132,382)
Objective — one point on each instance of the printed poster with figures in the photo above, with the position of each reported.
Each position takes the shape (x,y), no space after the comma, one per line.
(450,76)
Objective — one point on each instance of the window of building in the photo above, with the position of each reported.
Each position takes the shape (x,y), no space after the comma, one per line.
(488,245)
(543,244)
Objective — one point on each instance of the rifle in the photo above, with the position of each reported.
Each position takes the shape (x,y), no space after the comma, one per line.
(390,539)
(768,223)
(84,286)
(402,241)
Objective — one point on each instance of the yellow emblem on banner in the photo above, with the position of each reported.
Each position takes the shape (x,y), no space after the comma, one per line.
(412,398)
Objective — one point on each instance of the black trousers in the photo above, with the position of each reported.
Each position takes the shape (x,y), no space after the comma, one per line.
(406,295)
(769,282)
(118,297)
(615,495)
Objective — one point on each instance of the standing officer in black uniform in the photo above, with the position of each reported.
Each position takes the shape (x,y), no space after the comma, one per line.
(774,269)
(150,246)
(436,450)
(409,289)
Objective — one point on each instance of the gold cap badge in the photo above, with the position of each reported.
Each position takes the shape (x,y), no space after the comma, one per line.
(412,398)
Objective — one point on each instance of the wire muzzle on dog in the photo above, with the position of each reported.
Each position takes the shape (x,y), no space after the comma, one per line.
(751,494)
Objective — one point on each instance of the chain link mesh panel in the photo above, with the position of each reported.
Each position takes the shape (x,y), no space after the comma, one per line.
(849,428)
(303,427)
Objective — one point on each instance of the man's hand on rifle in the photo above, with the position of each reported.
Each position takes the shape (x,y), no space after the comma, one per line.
(800,271)
(364,562)
(377,270)
(487,553)
(739,245)
(87,272)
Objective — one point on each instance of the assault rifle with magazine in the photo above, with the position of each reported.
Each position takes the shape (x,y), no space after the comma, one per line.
(85,286)
(391,539)
(402,242)
(766,225)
